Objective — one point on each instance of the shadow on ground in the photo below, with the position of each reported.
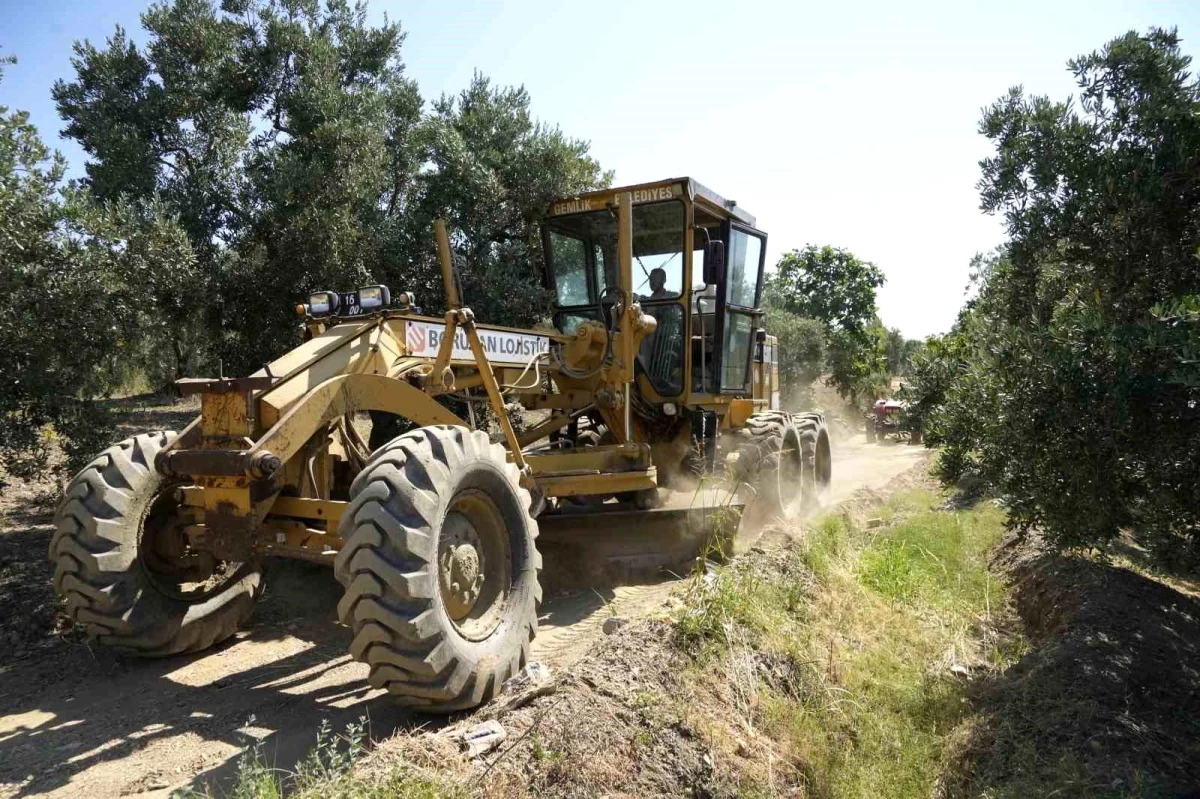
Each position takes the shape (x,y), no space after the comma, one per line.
(30,608)
(76,719)
(80,720)
(1107,701)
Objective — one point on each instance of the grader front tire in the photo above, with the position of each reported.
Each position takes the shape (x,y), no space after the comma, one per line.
(440,569)
(111,533)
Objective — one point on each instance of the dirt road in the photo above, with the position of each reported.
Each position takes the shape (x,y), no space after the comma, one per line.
(77,721)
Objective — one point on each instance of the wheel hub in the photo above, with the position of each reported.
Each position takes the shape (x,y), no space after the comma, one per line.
(174,567)
(461,566)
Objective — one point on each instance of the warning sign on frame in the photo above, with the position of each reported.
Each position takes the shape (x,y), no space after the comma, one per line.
(501,346)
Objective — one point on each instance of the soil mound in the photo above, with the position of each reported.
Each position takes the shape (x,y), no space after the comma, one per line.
(620,722)
(1107,700)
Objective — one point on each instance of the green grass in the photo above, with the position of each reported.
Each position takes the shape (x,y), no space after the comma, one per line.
(872,635)
(936,559)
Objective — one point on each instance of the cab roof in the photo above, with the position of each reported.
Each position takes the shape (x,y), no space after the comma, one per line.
(648,192)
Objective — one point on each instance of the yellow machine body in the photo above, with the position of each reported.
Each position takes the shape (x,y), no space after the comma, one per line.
(655,363)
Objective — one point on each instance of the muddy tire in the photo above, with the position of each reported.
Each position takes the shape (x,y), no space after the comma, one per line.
(109,567)
(440,568)
(817,457)
(773,465)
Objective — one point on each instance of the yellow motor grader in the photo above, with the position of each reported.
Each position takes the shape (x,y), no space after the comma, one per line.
(657,378)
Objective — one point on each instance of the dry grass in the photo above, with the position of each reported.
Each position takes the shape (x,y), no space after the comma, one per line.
(335,769)
(624,721)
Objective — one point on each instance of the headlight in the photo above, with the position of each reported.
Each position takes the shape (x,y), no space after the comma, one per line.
(322,302)
(372,297)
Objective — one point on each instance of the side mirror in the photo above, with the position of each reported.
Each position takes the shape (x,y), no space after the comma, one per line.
(714,262)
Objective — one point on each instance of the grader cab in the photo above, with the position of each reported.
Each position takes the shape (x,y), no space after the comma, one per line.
(657,382)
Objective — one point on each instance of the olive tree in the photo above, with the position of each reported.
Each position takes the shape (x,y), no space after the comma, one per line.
(1073,385)
(801,352)
(76,279)
(837,288)
(299,155)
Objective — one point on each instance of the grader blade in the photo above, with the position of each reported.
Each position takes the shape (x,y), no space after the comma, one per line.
(597,548)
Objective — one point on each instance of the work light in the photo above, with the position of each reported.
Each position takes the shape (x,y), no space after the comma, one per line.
(322,302)
(371,297)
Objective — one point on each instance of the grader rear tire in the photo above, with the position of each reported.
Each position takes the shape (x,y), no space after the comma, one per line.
(774,466)
(440,569)
(122,566)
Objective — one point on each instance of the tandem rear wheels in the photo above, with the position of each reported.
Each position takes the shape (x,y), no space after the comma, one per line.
(773,466)
(787,461)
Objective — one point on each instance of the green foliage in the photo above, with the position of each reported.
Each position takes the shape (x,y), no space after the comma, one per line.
(82,288)
(801,353)
(327,772)
(498,169)
(292,146)
(898,607)
(834,287)
(255,778)
(715,600)
(894,346)
(154,281)
(326,180)
(1071,385)
(900,351)
(936,560)
(827,283)
(248,154)
(854,637)
(857,363)
(334,755)
(937,371)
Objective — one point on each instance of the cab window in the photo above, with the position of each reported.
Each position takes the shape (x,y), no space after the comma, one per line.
(581,251)
(658,235)
(570,269)
(743,268)
(661,353)
(744,256)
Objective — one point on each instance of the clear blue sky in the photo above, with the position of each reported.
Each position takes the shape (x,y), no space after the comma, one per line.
(851,124)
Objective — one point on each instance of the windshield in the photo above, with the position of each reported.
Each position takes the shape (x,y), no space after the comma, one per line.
(581,251)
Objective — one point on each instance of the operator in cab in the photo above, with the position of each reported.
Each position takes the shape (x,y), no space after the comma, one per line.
(658,285)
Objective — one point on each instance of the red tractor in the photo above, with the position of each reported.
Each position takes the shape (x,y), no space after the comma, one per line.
(887,418)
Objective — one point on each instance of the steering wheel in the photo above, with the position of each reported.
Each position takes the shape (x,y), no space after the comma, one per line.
(609,297)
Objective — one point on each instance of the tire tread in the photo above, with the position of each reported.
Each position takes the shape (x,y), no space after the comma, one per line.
(94,552)
(388,566)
